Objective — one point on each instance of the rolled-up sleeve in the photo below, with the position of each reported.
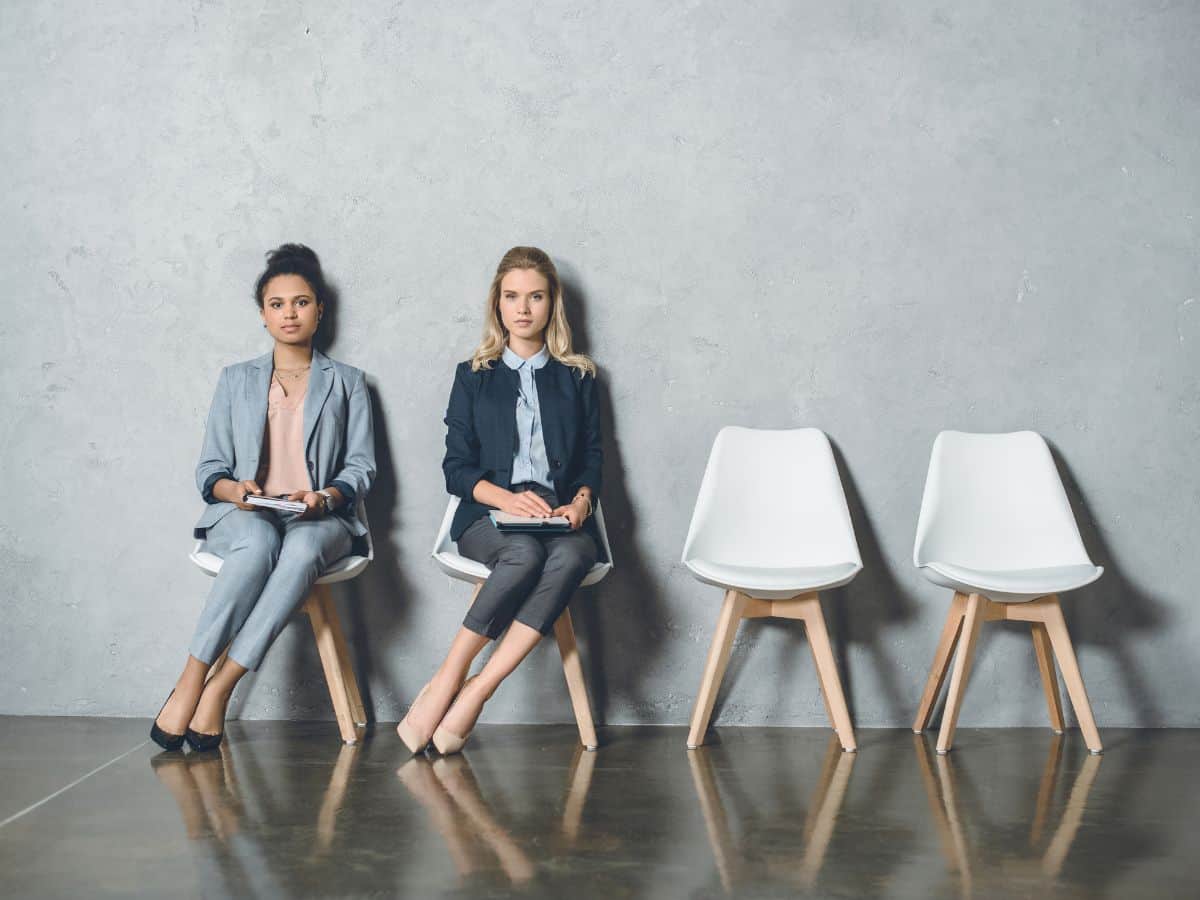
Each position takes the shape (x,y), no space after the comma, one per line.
(461,462)
(357,474)
(591,448)
(216,454)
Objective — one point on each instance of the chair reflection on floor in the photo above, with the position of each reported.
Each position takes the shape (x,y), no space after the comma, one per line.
(826,803)
(938,775)
(449,792)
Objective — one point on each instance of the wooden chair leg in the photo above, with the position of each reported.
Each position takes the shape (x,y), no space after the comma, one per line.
(959,844)
(564,632)
(579,779)
(818,639)
(1064,835)
(941,663)
(335,798)
(823,811)
(327,648)
(345,662)
(1046,789)
(714,667)
(1060,639)
(720,841)
(824,696)
(972,619)
(936,807)
(1045,661)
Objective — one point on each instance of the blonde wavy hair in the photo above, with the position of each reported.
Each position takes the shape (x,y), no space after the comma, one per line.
(558,332)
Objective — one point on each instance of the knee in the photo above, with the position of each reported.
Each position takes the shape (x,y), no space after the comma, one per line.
(260,545)
(301,554)
(578,555)
(525,554)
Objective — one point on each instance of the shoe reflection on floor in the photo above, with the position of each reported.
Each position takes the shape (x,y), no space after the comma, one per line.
(233,861)
(449,793)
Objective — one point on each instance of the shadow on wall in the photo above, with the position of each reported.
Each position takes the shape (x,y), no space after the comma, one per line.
(624,611)
(1111,611)
(861,611)
(378,603)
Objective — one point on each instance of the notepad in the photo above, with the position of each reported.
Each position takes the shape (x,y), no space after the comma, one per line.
(276,503)
(507,522)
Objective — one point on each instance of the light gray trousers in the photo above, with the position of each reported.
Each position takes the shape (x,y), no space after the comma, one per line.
(269,563)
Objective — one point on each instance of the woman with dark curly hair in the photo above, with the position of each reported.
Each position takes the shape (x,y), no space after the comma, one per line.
(292,424)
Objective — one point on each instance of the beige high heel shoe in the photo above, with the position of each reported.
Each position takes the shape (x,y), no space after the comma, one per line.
(408,734)
(446,741)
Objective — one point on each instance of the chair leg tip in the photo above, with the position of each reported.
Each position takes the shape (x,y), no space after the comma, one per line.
(693,746)
(942,752)
(918,731)
(591,748)
(1099,752)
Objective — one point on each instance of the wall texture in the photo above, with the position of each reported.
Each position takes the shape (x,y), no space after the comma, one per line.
(879,219)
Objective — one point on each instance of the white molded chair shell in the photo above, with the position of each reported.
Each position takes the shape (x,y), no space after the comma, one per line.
(771,519)
(342,570)
(995,519)
(454,564)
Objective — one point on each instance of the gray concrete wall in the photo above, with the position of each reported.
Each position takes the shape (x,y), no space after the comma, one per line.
(879,219)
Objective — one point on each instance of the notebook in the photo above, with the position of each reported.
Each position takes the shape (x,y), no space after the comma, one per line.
(511,524)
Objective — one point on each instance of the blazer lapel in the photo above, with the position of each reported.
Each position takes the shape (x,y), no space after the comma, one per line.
(257,388)
(550,408)
(320,382)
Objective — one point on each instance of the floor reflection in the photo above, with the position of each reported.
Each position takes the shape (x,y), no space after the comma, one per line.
(984,856)
(233,859)
(284,811)
(744,859)
(448,791)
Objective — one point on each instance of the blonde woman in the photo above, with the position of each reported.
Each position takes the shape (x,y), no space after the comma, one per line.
(523,436)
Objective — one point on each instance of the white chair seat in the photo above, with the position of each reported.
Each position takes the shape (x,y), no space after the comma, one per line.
(343,570)
(454,564)
(464,569)
(1011,585)
(766,583)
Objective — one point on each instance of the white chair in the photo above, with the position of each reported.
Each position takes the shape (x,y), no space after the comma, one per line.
(327,628)
(772,529)
(996,528)
(450,561)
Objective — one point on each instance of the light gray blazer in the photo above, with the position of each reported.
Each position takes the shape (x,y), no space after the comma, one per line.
(339,437)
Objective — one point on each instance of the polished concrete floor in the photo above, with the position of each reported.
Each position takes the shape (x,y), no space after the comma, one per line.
(88,808)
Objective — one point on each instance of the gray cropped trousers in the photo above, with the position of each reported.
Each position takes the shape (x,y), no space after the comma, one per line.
(269,562)
(533,577)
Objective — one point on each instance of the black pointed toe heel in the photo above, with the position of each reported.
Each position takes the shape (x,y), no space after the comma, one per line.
(202,743)
(165,739)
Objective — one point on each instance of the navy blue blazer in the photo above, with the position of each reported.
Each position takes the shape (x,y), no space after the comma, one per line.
(481,434)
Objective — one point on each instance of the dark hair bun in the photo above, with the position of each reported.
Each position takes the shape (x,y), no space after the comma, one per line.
(292,252)
(294,259)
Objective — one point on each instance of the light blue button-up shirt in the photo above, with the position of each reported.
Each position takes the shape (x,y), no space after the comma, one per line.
(529,459)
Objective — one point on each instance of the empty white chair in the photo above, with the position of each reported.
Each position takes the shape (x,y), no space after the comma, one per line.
(772,529)
(454,564)
(996,528)
(327,628)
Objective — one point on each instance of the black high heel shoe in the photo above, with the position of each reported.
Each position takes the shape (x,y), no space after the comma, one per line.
(165,739)
(202,743)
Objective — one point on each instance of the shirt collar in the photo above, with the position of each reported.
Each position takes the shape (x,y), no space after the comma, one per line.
(539,359)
